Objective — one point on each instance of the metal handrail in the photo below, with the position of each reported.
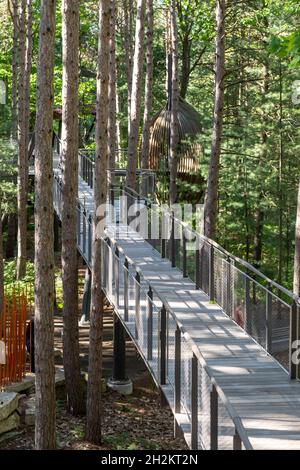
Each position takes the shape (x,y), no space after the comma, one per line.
(132,193)
(194,348)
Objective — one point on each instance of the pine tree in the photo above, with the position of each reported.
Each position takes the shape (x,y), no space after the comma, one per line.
(44,253)
(94,414)
(211,198)
(135,109)
(70,41)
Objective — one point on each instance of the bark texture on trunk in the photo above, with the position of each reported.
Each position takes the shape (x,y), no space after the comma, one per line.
(297,250)
(128,14)
(70,41)
(15,19)
(135,111)
(148,86)
(44,254)
(28,67)
(211,198)
(174,102)
(22,153)
(1,266)
(11,236)
(94,409)
(185,66)
(112,91)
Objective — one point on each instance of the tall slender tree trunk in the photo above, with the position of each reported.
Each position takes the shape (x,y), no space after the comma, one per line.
(15,19)
(28,67)
(22,151)
(148,86)
(118,125)
(112,91)
(44,253)
(259,213)
(128,13)
(185,66)
(11,236)
(135,111)
(174,100)
(94,414)
(211,197)
(70,42)
(1,267)
(297,250)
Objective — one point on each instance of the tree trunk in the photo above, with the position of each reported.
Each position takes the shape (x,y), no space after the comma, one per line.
(44,255)
(185,66)
(22,153)
(112,124)
(211,198)
(135,110)
(28,66)
(128,13)
(15,18)
(259,213)
(297,250)
(11,236)
(148,86)
(93,428)
(1,269)
(70,42)
(174,101)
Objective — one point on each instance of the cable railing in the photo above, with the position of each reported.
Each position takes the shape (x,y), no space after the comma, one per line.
(268,312)
(265,310)
(175,361)
(173,358)
(145,179)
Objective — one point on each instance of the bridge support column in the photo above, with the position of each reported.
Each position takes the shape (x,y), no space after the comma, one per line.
(56,232)
(119,382)
(86,301)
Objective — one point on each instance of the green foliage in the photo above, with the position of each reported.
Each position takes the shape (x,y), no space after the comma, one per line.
(8,170)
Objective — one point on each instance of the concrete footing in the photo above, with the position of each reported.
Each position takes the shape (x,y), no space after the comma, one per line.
(124,387)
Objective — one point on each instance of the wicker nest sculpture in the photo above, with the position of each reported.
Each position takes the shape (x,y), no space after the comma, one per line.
(190,150)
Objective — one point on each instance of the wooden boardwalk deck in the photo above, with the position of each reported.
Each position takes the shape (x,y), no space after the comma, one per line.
(255,387)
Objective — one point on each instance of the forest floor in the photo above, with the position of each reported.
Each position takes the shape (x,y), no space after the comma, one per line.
(139,421)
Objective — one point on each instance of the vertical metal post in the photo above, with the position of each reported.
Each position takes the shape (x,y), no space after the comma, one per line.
(177,370)
(197,265)
(194,403)
(78,224)
(237,443)
(269,332)
(173,247)
(117,280)
(137,304)
(214,419)
(211,273)
(248,311)
(90,221)
(293,346)
(228,288)
(126,288)
(163,345)
(184,257)
(104,263)
(163,235)
(56,232)
(84,233)
(119,363)
(150,324)
(112,195)
(86,300)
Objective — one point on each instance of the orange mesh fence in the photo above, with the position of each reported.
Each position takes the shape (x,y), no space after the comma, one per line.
(16,310)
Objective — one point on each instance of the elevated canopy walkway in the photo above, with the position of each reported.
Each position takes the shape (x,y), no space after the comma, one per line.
(205,323)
